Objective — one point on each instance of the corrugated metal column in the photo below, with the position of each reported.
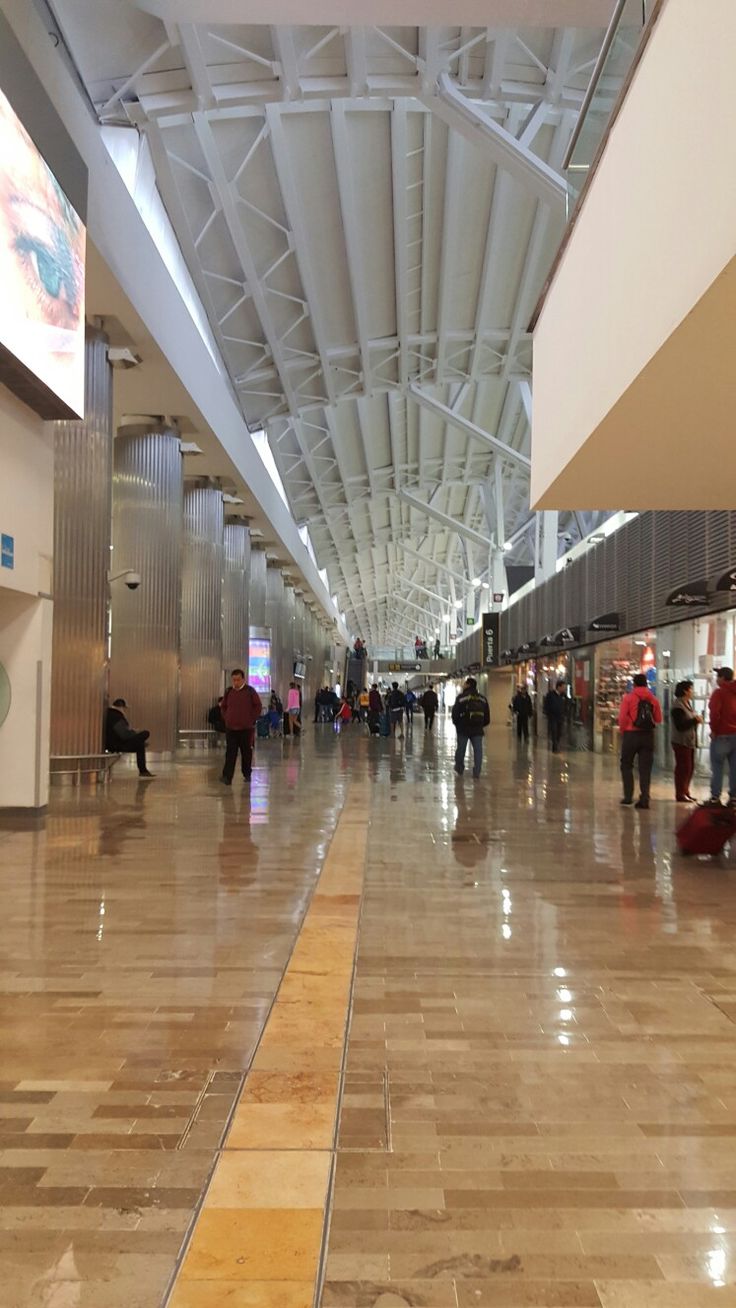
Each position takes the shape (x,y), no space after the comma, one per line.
(235,596)
(82,481)
(201,605)
(146,533)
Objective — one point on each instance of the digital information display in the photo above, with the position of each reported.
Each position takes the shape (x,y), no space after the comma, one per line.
(42,262)
(259,665)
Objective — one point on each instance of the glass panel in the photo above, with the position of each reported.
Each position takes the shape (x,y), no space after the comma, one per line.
(606,82)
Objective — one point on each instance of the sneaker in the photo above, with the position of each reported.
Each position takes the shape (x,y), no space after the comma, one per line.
(712,803)
(146,776)
(225,781)
(459,770)
(627,802)
(642,803)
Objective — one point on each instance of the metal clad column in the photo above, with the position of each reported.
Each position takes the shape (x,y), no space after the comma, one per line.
(146,534)
(82,481)
(257,603)
(235,596)
(201,605)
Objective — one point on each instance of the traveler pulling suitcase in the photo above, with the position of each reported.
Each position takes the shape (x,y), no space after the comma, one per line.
(707,830)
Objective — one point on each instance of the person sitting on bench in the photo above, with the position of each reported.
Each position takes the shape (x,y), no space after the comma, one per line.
(120,738)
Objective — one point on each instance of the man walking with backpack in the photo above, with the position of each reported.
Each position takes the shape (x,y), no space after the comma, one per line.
(471,716)
(639,714)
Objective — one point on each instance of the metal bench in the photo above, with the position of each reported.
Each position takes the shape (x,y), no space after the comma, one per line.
(205,738)
(76,769)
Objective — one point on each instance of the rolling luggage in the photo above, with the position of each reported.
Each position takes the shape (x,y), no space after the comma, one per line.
(384,725)
(706,830)
(262,727)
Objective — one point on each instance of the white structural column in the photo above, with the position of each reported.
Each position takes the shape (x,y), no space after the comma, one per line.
(545,562)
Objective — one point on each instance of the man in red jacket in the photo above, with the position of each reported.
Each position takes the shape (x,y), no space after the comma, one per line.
(241,708)
(639,714)
(722,714)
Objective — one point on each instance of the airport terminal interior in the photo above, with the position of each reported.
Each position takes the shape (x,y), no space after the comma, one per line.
(367,635)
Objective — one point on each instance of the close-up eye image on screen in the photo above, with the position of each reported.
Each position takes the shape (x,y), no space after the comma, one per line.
(42,245)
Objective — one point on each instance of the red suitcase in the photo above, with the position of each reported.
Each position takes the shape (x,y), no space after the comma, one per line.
(707,830)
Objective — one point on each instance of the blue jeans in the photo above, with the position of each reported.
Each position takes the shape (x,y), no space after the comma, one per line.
(462,745)
(722,748)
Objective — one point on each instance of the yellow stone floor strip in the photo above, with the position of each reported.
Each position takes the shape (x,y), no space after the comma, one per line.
(258,1239)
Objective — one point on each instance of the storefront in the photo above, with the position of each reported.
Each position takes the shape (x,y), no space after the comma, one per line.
(617,662)
(692,650)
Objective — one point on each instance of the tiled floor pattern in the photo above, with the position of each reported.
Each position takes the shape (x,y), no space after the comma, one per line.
(259,1236)
(540,1080)
(143,936)
(540,1098)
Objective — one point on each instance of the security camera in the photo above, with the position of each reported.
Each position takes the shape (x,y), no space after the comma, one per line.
(132,579)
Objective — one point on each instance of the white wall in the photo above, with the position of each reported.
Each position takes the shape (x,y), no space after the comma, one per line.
(655,233)
(27,514)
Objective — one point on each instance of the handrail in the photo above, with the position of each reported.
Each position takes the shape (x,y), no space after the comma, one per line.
(657,7)
(595,77)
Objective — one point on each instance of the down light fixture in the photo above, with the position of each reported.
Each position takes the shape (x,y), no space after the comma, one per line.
(476,582)
(508,545)
(458,604)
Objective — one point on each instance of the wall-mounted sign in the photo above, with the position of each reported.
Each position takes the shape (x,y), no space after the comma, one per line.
(498,597)
(490,640)
(606,622)
(42,266)
(529,647)
(404,667)
(7,551)
(567,635)
(470,622)
(689,595)
(727,581)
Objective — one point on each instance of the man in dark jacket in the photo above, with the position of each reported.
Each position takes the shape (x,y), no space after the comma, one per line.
(241,709)
(556,710)
(471,716)
(523,708)
(429,703)
(120,738)
(395,702)
(375,709)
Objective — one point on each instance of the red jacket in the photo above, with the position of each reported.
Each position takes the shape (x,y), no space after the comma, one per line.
(241,709)
(629,705)
(722,710)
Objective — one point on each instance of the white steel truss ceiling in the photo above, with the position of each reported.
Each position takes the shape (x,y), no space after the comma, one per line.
(368,215)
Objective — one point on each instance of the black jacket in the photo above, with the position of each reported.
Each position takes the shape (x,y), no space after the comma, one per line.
(429,701)
(522,704)
(117,730)
(471,713)
(396,699)
(555,706)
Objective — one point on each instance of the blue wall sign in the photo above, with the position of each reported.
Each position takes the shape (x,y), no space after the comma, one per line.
(7,551)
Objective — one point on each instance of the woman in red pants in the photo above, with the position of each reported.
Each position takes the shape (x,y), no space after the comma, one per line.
(685,723)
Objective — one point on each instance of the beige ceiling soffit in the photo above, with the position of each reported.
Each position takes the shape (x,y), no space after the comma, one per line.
(468,118)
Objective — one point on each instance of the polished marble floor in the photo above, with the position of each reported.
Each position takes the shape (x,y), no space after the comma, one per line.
(535,1103)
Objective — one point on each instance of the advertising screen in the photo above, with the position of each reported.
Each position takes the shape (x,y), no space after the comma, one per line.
(259,665)
(42,250)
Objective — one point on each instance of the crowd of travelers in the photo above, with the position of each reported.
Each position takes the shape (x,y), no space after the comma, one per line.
(240,714)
